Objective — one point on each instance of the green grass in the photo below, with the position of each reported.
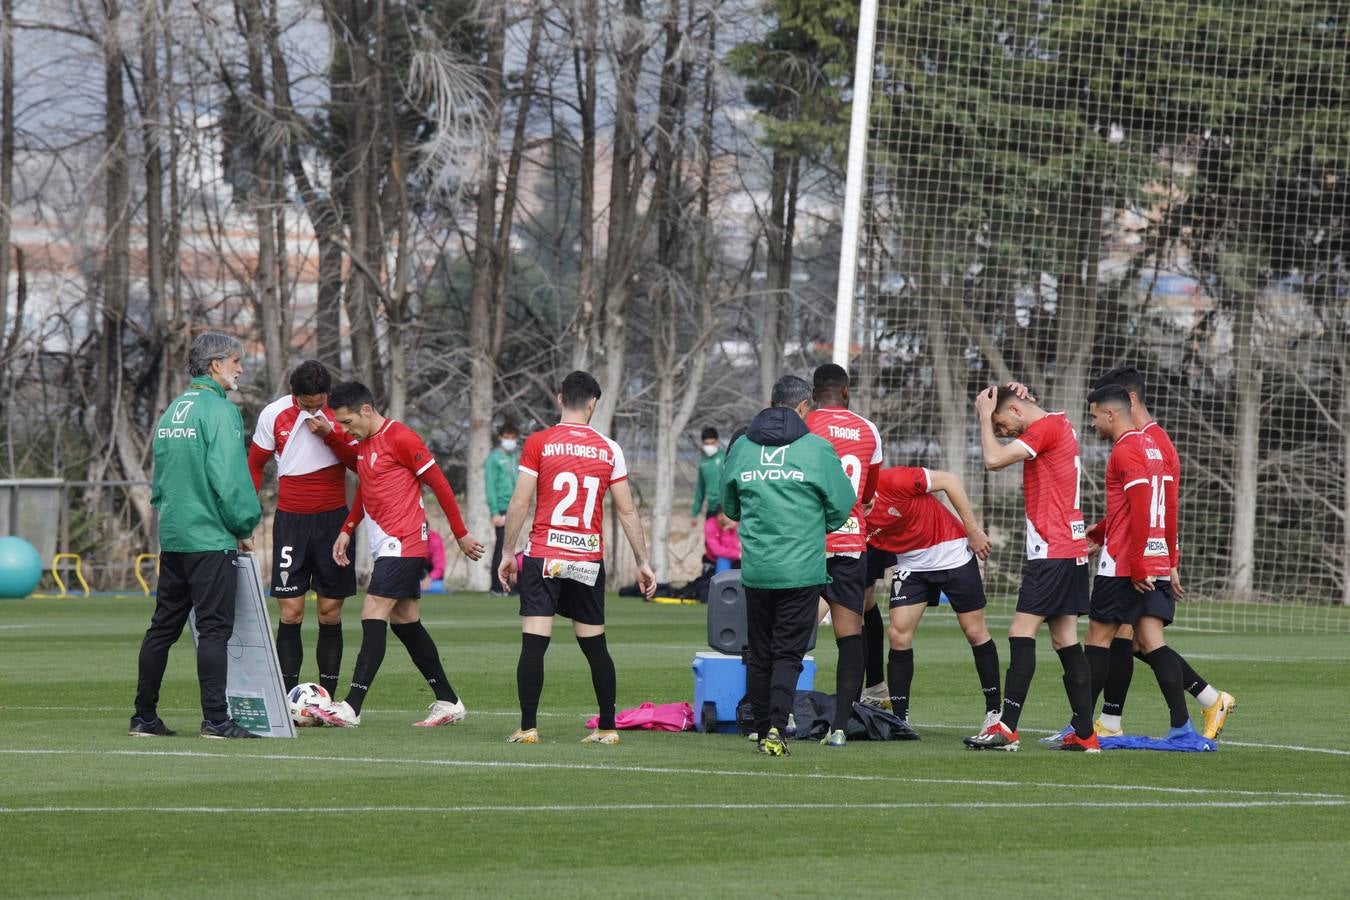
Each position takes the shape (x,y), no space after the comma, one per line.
(456,811)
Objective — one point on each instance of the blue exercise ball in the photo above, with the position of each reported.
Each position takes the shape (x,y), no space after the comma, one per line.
(20,568)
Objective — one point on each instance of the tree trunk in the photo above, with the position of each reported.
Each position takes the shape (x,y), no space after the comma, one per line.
(624,239)
(1077,309)
(584,65)
(482,363)
(778,271)
(1247,378)
(1345,474)
(6,167)
(117,247)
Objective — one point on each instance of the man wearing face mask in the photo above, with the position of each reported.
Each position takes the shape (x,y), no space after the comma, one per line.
(709,476)
(499,471)
(207,513)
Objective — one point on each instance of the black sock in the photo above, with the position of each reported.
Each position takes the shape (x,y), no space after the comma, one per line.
(290,653)
(328,654)
(602,676)
(530,677)
(986,666)
(1118,681)
(422,649)
(848,678)
(374,634)
(1190,678)
(899,677)
(1099,669)
(1017,681)
(874,640)
(1078,688)
(1166,665)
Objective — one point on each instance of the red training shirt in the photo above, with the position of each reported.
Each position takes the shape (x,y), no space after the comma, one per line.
(858,444)
(310,469)
(907,520)
(1050,488)
(1134,533)
(1172,497)
(574,465)
(393,464)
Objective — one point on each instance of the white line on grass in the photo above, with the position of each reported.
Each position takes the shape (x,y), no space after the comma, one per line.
(665,807)
(671,770)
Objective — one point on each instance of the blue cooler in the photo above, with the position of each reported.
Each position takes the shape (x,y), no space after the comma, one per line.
(719,679)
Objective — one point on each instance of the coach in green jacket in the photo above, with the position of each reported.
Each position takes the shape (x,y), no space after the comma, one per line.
(207,512)
(787,488)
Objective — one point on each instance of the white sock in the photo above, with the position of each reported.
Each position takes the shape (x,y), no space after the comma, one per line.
(1111,722)
(1208,697)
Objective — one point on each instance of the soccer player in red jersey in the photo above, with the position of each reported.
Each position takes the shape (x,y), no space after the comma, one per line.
(1131,586)
(393,465)
(858,444)
(311,463)
(1217,704)
(934,554)
(1055,578)
(570,467)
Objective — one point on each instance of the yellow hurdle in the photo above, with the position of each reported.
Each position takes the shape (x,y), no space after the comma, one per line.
(140,558)
(60,583)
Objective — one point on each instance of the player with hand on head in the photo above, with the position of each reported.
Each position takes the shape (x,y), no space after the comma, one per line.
(393,465)
(312,455)
(858,445)
(570,467)
(1131,586)
(934,553)
(1054,586)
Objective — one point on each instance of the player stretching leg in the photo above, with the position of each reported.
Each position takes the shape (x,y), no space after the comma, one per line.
(393,464)
(1055,579)
(934,553)
(311,455)
(570,466)
(858,444)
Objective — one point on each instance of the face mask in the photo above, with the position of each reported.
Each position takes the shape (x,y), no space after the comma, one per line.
(508,444)
(710,450)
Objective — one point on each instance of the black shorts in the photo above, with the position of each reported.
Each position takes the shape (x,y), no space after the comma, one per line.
(963,586)
(302,555)
(398,577)
(848,581)
(1054,587)
(878,561)
(1115,600)
(540,596)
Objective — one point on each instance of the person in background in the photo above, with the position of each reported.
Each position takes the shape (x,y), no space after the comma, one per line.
(499,472)
(723,542)
(434,580)
(709,476)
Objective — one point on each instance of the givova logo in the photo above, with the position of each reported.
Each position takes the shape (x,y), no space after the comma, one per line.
(773,456)
(180,412)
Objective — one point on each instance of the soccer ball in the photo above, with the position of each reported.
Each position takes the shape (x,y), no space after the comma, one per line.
(303,696)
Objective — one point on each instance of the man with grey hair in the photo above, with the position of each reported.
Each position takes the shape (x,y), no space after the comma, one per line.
(788,489)
(207,513)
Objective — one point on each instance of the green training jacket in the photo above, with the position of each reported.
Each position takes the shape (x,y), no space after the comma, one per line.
(709,483)
(787,488)
(499,471)
(202,485)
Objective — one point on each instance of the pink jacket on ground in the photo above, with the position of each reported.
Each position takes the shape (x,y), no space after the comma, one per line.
(651,717)
(721,542)
(436,556)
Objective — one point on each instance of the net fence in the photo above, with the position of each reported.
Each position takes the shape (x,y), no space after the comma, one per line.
(1053,189)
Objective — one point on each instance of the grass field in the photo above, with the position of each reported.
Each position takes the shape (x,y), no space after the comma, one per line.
(387,809)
